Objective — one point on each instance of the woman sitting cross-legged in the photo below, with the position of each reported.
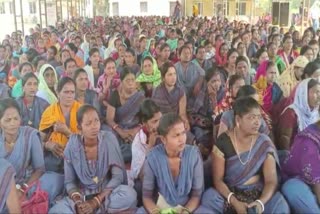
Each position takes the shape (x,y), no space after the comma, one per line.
(21,146)
(244,167)
(94,171)
(173,172)
(9,198)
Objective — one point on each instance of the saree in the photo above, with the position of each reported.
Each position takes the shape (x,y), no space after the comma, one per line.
(92,177)
(176,191)
(4,91)
(280,64)
(44,90)
(32,116)
(287,80)
(304,165)
(17,90)
(7,174)
(167,101)
(236,174)
(155,78)
(54,114)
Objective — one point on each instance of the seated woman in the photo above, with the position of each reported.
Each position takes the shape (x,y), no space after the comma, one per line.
(94,171)
(84,95)
(244,167)
(173,172)
(290,78)
(94,68)
(150,76)
(30,105)
(169,96)
(269,91)
(201,115)
(227,119)
(21,146)
(9,200)
(122,108)
(129,61)
(303,112)
(58,122)
(24,68)
(48,80)
(301,170)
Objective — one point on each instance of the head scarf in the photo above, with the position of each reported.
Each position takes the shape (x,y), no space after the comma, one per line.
(264,89)
(155,78)
(43,84)
(306,116)
(220,60)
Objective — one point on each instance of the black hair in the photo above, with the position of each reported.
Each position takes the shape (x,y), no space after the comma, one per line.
(55,50)
(246,91)
(310,69)
(260,52)
(242,59)
(73,47)
(147,58)
(63,81)
(84,109)
(165,68)
(28,76)
(67,62)
(167,121)
(6,104)
(200,47)
(233,79)
(231,51)
(36,61)
(163,46)
(211,72)
(24,64)
(313,42)
(126,71)
(77,72)
(147,110)
(305,48)
(244,105)
(185,46)
(312,83)
(131,51)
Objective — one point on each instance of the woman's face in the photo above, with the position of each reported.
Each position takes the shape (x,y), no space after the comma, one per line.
(264,56)
(236,86)
(250,122)
(26,69)
(271,74)
(176,138)
(170,78)
(298,72)
(10,121)
(82,81)
(232,58)
(31,87)
(315,49)
(242,49)
(314,96)
(50,77)
(306,40)
(110,69)
(224,50)
(316,75)
(122,51)
(288,44)
(147,67)
(67,94)
(242,68)
(165,53)
(64,56)
(309,54)
(90,125)
(215,82)
(95,58)
(153,123)
(129,83)
(41,43)
(128,58)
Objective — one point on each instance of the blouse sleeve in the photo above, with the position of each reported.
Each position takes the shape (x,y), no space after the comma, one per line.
(198,179)
(149,180)
(70,177)
(288,119)
(138,156)
(37,158)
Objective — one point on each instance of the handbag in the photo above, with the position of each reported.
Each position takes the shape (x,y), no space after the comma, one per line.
(37,203)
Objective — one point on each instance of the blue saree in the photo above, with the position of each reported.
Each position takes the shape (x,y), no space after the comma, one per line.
(93,176)
(237,174)
(27,156)
(7,174)
(31,117)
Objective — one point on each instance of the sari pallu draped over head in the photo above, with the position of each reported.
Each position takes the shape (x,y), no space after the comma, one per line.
(237,174)
(43,86)
(155,78)
(167,101)
(54,114)
(7,174)
(304,165)
(109,156)
(125,115)
(22,156)
(175,192)
(305,114)
(268,93)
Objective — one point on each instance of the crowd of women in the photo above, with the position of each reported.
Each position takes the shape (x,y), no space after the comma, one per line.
(144,115)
